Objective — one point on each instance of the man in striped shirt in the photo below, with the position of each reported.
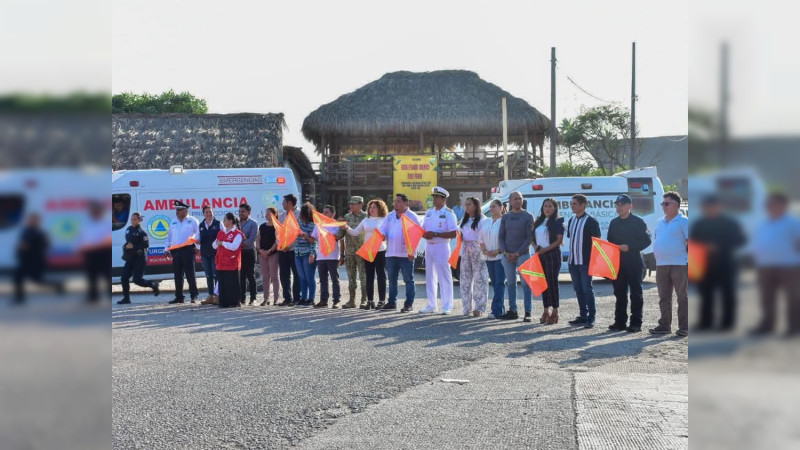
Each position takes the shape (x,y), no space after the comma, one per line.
(580,229)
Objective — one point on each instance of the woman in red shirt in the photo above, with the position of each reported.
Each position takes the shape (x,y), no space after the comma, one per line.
(228,260)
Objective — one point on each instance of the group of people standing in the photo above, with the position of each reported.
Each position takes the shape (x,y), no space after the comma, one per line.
(492,250)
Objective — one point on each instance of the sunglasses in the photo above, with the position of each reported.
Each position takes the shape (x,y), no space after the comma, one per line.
(668,203)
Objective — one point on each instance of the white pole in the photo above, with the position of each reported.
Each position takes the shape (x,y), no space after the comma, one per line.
(505,141)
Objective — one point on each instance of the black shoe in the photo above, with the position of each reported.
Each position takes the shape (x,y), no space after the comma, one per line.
(194,300)
(527,317)
(124,301)
(380,305)
(321,305)
(291,304)
(156,288)
(633,329)
(510,315)
(283,303)
(406,309)
(616,327)
(176,301)
(588,325)
(577,321)
(61,288)
(389,307)
(370,305)
(364,306)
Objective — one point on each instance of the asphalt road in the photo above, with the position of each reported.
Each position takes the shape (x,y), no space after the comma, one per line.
(191,376)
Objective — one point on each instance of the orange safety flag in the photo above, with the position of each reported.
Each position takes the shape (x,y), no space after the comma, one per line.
(698,261)
(454,256)
(320,219)
(327,240)
(370,249)
(412,234)
(190,241)
(290,229)
(533,273)
(604,261)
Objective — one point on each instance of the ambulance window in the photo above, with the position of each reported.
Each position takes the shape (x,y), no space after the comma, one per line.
(641,192)
(11,208)
(121,208)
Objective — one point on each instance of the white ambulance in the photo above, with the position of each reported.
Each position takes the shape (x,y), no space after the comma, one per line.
(643,185)
(61,197)
(153,192)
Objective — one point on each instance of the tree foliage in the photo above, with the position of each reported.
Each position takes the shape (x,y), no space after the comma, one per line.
(164,103)
(580,169)
(603,132)
(72,103)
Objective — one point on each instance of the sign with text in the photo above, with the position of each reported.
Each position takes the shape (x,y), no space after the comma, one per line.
(416,176)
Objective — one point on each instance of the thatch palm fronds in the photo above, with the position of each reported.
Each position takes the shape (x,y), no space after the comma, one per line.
(450,106)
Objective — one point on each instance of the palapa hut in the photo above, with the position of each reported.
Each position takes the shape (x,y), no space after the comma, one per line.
(452,115)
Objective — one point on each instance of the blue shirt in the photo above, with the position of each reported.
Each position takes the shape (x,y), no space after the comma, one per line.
(459,211)
(301,246)
(670,242)
(775,243)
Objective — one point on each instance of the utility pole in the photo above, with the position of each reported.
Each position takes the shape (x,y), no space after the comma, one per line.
(553,127)
(632,159)
(505,140)
(723,104)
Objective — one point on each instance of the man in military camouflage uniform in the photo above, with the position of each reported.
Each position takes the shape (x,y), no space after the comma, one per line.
(354,263)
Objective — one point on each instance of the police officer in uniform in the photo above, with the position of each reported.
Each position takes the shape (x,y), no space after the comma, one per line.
(183,232)
(134,252)
(353,262)
(440,226)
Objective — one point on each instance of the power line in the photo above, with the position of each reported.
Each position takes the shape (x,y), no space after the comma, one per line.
(587,92)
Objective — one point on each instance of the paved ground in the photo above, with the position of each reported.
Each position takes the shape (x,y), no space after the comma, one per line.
(190,376)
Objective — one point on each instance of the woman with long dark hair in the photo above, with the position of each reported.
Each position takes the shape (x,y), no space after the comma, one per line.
(473,274)
(548,233)
(376,214)
(228,259)
(305,254)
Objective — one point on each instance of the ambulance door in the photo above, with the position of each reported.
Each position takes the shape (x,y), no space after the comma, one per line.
(123,203)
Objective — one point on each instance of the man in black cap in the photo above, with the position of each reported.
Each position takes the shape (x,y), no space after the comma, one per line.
(629,232)
(181,246)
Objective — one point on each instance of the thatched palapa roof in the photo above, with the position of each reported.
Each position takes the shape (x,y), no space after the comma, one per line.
(448,106)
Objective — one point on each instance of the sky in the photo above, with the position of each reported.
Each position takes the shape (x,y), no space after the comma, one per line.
(292,57)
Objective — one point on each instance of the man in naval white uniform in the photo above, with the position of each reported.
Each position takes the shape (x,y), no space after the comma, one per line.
(440,226)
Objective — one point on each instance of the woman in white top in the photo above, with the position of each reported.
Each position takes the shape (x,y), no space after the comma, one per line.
(490,228)
(548,233)
(473,274)
(376,214)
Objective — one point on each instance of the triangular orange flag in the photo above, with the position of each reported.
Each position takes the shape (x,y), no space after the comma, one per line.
(290,230)
(188,242)
(369,250)
(698,261)
(277,224)
(327,240)
(454,256)
(604,261)
(412,234)
(532,272)
(320,219)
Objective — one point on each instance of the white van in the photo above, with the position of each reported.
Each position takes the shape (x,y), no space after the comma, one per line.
(152,193)
(643,185)
(61,197)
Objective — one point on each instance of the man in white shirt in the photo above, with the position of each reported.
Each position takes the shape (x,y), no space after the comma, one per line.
(672,265)
(184,232)
(328,265)
(397,257)
(440,226)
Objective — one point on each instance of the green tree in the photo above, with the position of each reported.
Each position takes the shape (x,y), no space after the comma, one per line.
(581,169)
(164,103)
(603,132)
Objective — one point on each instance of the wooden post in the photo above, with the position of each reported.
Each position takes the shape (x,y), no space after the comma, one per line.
(525,137)
(553,126)
(505,140)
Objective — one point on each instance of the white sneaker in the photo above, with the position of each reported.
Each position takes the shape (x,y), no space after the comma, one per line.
(427,311)
(445,312)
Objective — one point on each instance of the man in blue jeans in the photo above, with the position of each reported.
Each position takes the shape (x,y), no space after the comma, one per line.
(514,240)
(397,258)
(580,230)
